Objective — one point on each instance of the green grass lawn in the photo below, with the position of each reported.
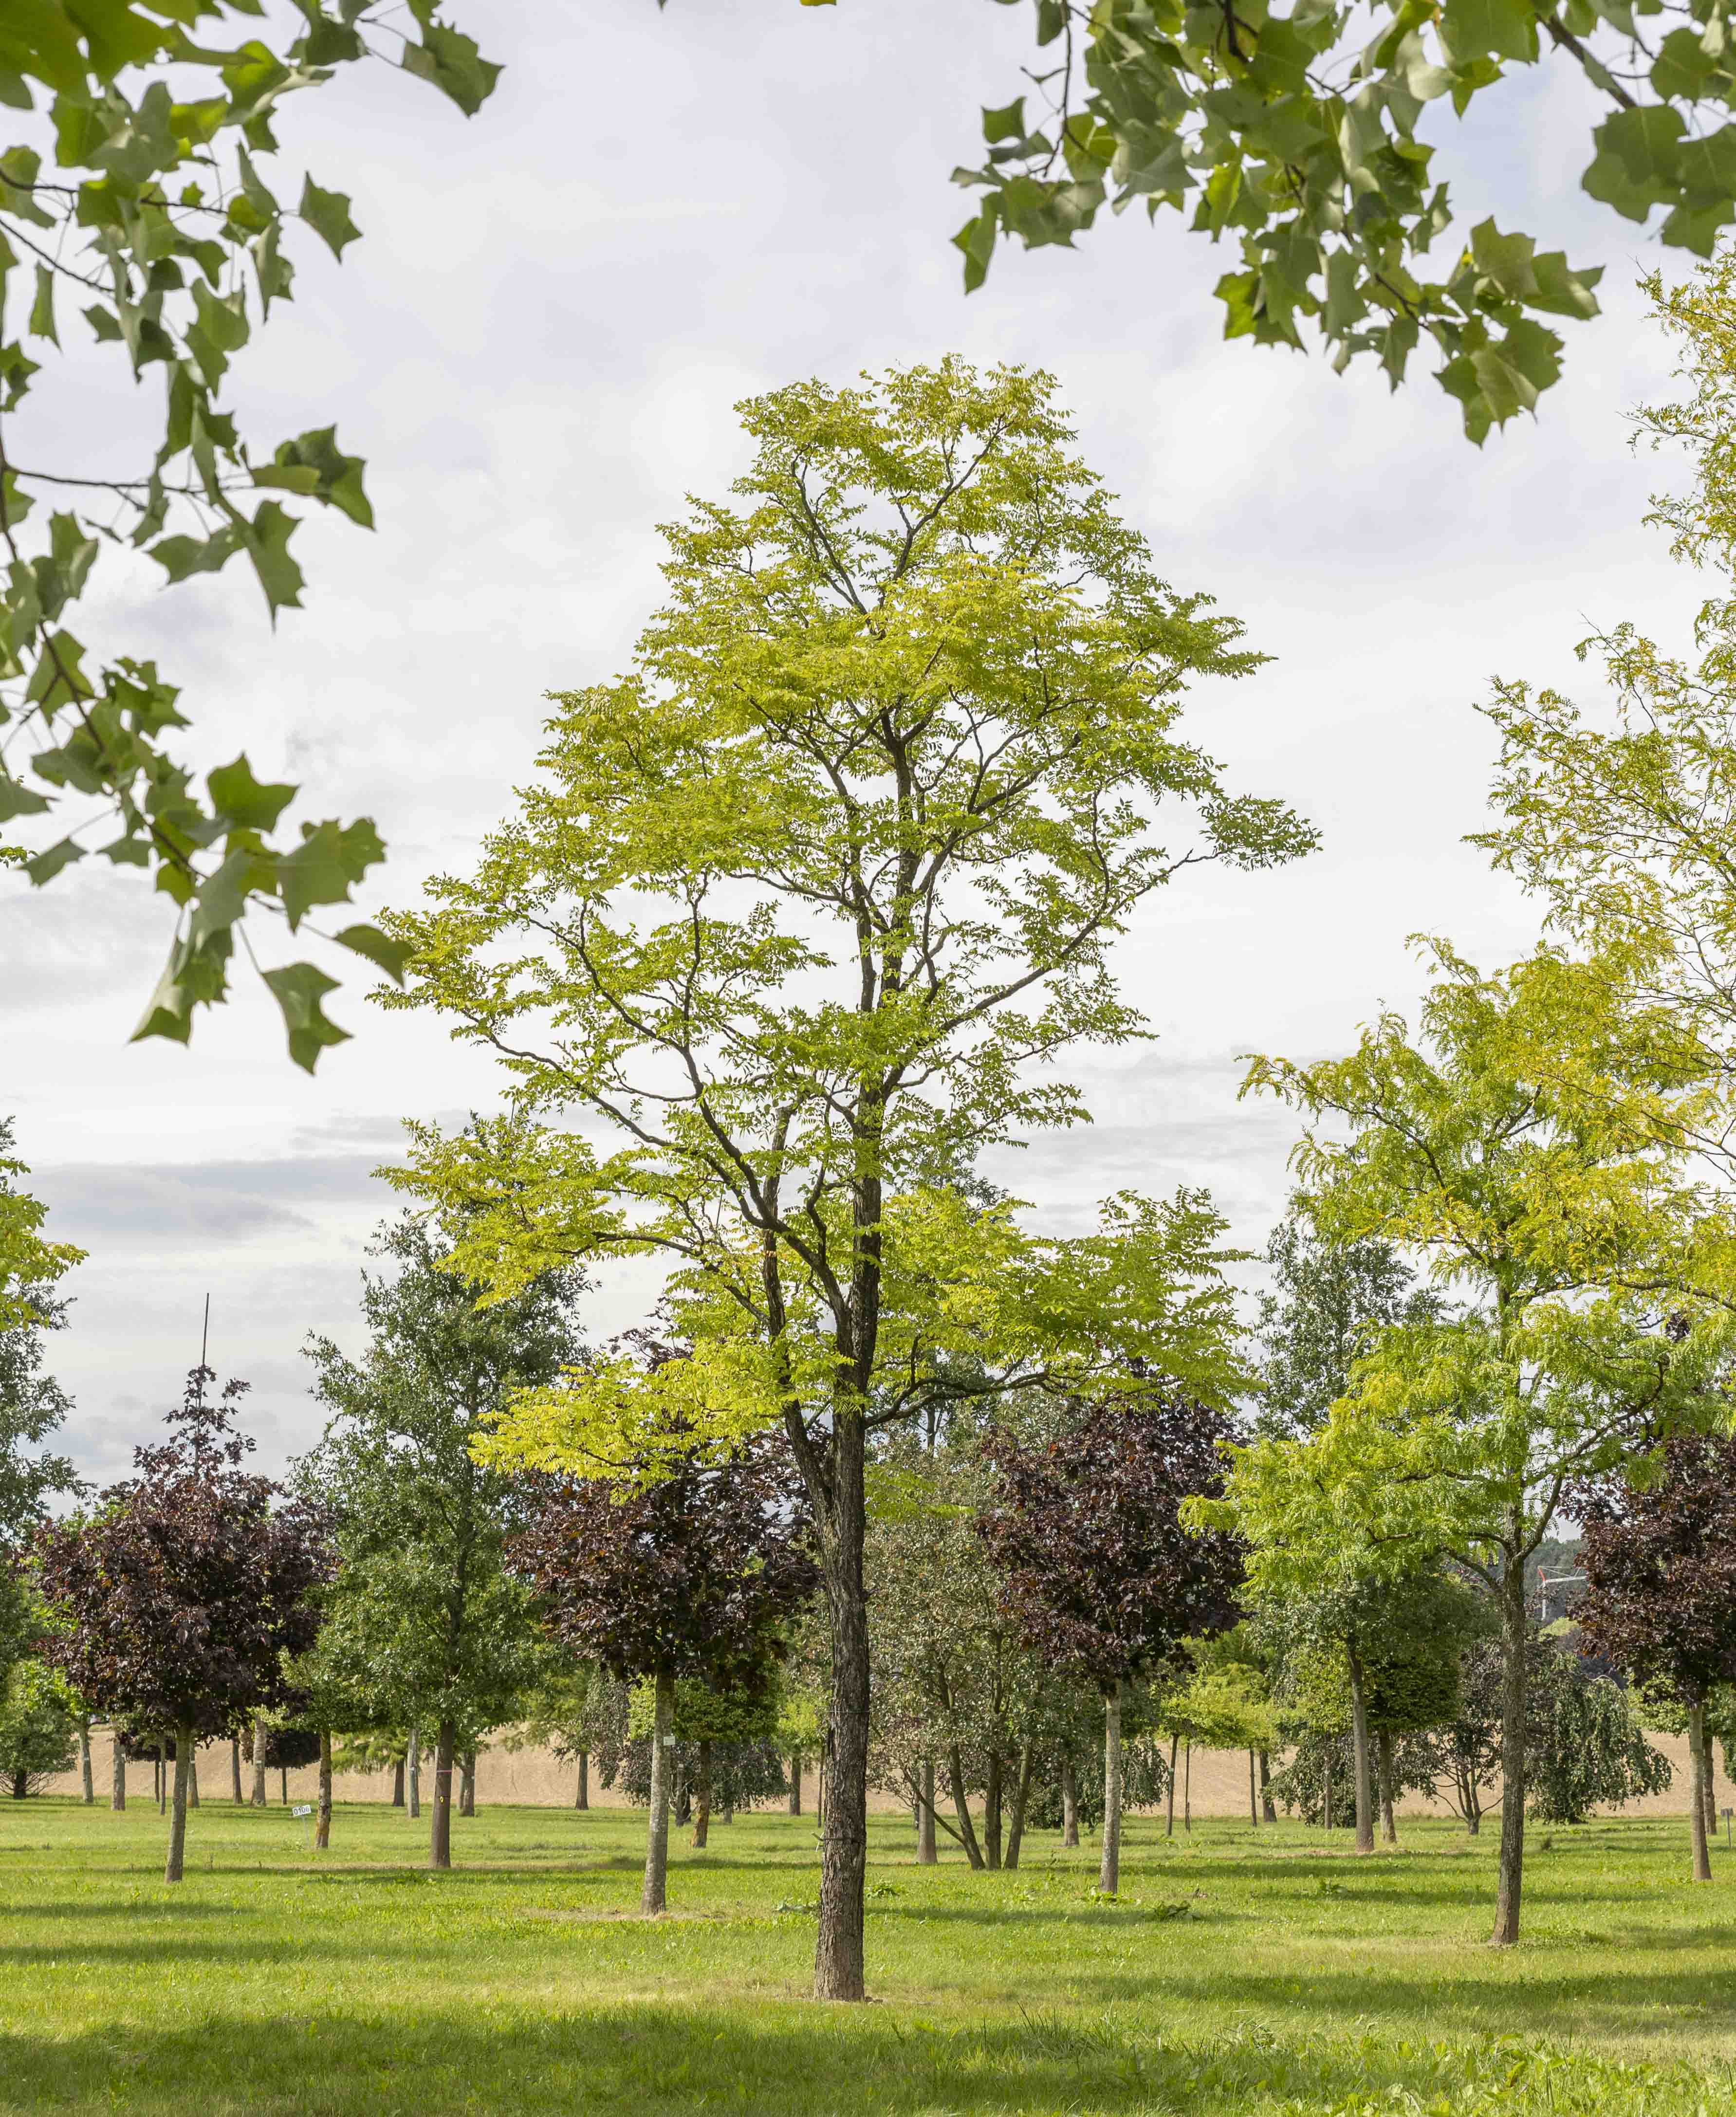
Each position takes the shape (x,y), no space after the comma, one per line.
(1237,1972)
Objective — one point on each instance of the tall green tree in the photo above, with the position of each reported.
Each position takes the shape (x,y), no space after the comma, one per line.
(424,1622)
(800,917)
(155,220)
(1533,1142)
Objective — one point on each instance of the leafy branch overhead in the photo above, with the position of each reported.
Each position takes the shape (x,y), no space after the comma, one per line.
(1295,132)
(132,205)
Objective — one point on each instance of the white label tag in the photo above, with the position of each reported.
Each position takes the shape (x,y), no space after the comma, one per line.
(301,1811)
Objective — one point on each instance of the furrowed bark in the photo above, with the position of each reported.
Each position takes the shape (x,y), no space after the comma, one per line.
(653,1897)
(440,1826)
(1359,1755)
(1510,1880)
(322,1822)
(174,1865)
(1109,1871)
(1696,1791)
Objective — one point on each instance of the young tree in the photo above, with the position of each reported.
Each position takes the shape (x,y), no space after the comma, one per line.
(1532,1142)
(424,1624)
(174,1603)
(32,1404)
(1659,1600)
(156,204)
(1098,1571)
(39,1725)
(801,914)
(696,1575)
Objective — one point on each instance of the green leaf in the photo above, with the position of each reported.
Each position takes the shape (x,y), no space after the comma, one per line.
(379,948)
(455,66)
(327,214)
(300,989)
(323,867)
(267,541)
(181,557)
(18,799)
(46,865)
(1504,29)
(42,309)
(1006,124)
(244,802)
(336,479)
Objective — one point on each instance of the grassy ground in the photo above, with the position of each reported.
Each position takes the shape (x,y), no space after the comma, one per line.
(1264,1974)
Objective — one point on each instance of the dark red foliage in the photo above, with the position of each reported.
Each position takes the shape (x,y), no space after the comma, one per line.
(696,1576)
(1659,1599)
(176,1599)
(1096,1569)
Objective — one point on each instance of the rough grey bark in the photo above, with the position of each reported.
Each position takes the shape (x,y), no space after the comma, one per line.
(240,1798)
(1253,1792)
(192,1779)
(1109,1871)
(439,1825)
(174,1865)
(86,1776)
(702,1801)
(322,1822)
(1383,1759)
(467,1784)
(259,1760)
(927,1854)
(1510,1872)
(1697,1802)
(962,1807)
(1021,1798)
(398,1784)
(1362,1761)
(838,1951)
(653,1895)
(413,1776)
(1709,1781)
(118,1775)
(1070,1803)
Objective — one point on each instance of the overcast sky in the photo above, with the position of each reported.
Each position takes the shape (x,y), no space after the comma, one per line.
(536,347)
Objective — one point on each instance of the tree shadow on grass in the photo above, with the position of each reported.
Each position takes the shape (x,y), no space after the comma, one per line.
(787,2057)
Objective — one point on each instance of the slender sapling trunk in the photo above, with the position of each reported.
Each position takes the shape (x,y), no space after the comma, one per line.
(413,1776)
(467,1784)
(440,1827)
(259,1760)
(794,1776)
(702,1808)
(322,1822)
(118,1774)
(1696,1804)
(584,1800)
(1070,1803)
(1021,1797)
(927,1854)
(653,1897)
(1109,1871)
(1360,1759)
(241,1796)
(86,1776)
(1268,1811)
(962,1808)
(1510,1879)
(174,1865)
(1383,1758)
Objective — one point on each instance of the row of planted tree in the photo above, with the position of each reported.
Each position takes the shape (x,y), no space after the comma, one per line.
(794,929)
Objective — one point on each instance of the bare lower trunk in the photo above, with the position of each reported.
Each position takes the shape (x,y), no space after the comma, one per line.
(467,1784)
(1325,1793)
(991,1814)
(1109,1871)
(584,1799)
(283,1786)
(259,1760)
(1169,1821)
(1361,1761)
(162,1779)
(702,1809)
(192,1780)
(440,1823)
(962,1807)
(241,1795)
(413,1776)
(1710,1780)
(653,1895)
(927,1854)
(1268,1811)
(1254,1794)
(174,1865)
(322,1822)
(1511,1870)
(838,1951)
(1383,1759)
(118,1776)
(795,1775)
(1021,1798)
(86,1776)
(398,1784)
(1187,1784)
(1070,1803)
(1696,1803)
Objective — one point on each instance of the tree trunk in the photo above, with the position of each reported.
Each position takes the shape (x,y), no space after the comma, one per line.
(1021,1797)
(962,1808)
(1359,1756)
(162,1778)
(175,1864)
(118,1776)
(927,1855)
(991,1814)
(1070,1803)
(398,1784)
(837,1950)
(1326,1794)
(322,1823)
(1696,1782)
(192,1780)
(86,1777)
(1253,1795)
(240,1798)
(1383,1758)
(1187,1785)
(283,1784)
(1109,1871)
(21,1785)
(440,1827)
(259,1760)
(702,1809)
(1511,1870)
(1169,1824)
(652,1898)
(795,1782)
(1268,1811)
(412,1775)
(584,1800)
(1710,1778)
(467,1784)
